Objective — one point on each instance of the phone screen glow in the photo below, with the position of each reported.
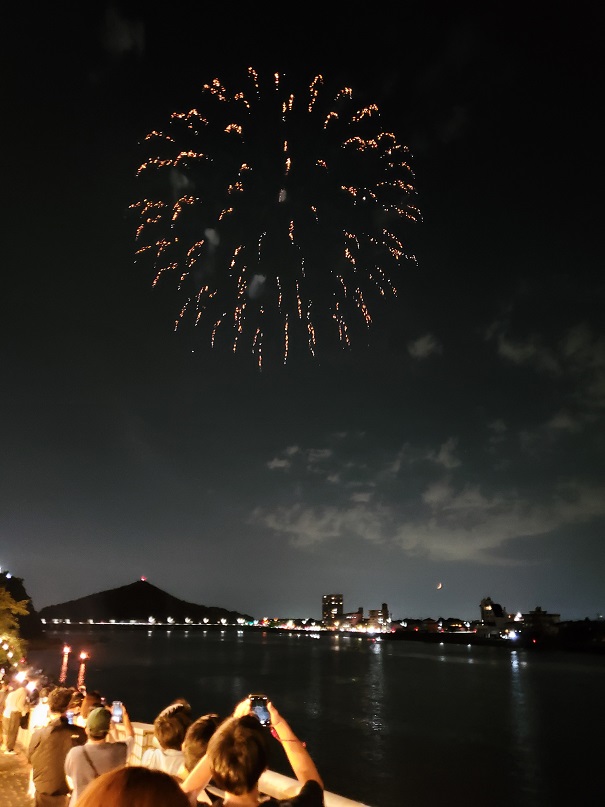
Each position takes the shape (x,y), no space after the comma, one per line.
(262,713)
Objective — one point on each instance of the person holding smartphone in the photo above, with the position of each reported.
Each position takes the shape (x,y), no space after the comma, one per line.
(85,762)
(237,756)
(117,712)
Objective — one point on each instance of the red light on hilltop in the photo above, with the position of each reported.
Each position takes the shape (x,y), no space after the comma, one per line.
(144,579)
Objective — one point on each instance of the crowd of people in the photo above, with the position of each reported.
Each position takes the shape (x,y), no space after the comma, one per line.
(80,758)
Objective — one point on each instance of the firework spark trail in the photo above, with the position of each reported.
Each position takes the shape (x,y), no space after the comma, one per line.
(283,211)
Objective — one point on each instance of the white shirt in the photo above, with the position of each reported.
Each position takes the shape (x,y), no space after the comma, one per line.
(168,760)
(39,716)
(16,701)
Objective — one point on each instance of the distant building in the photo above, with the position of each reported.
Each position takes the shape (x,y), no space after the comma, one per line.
(494,619)
(490,610)
(332,610)
(453,625)
(352,619)
(541,623)
(379,619)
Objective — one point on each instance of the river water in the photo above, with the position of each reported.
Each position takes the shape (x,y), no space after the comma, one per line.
(388,723)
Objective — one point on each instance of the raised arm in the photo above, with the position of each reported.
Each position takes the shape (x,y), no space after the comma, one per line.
(199,776)
(128,730)
(303,766)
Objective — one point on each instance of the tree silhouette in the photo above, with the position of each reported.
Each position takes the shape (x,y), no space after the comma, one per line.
(11,644)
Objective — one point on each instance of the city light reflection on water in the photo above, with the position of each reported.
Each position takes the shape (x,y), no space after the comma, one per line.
(524,746)
(373,706)
(506,722)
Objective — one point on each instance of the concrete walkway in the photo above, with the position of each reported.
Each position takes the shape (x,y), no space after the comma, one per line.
(14,779)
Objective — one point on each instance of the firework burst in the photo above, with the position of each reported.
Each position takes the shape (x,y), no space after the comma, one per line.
(276,216)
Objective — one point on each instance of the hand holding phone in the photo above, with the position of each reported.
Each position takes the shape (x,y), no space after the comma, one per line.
(117,711)
(258,704)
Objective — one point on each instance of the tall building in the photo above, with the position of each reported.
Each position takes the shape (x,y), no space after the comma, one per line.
(379,618)
(491,611)
(331,608)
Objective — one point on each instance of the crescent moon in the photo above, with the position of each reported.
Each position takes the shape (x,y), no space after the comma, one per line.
(439,585)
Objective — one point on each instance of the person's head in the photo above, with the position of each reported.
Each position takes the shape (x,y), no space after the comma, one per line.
(59,699)
(180,709)
(75,702)
(183,704)
(238,754)
(98,723)
(134,785)
(169,731)
(92,700)
(197,738)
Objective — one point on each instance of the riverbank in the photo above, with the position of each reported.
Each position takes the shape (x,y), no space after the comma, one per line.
(583,637)
(535,643)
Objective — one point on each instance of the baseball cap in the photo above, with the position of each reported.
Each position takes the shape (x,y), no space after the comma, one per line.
(98,721)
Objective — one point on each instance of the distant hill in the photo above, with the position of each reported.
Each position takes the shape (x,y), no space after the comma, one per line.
(136,601)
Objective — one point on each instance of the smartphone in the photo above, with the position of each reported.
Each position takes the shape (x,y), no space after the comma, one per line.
(259,707)
(70,717)
(116,711)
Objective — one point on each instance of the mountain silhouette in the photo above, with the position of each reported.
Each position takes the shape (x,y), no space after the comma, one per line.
(136,601)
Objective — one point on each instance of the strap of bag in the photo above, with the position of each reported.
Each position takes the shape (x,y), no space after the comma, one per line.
(90,762)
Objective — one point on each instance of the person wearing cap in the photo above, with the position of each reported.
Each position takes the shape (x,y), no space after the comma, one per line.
(85,762)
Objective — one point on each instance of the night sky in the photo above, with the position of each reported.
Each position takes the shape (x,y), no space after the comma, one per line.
(458,441)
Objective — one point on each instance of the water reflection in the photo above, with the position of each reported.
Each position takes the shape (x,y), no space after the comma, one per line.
(505,730)
(63,673)
(374,706)
(313,699)
(524,746)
